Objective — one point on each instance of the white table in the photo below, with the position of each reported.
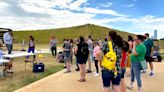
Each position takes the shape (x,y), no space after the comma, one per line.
(3,61)
(17,55)
(11,56)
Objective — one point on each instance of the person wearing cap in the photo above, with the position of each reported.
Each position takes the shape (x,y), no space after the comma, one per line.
(8,40)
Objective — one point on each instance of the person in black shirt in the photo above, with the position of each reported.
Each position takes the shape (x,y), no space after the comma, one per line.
(82,53)
(74,49)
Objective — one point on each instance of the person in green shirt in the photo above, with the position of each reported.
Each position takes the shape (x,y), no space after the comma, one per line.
(137,55)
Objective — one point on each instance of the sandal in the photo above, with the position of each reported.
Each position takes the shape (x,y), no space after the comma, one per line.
(88,71)
(67,72)
(82,80)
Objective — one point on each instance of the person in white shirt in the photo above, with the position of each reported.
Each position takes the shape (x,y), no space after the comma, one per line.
(31,47)
(8,40)
(53,45)
(90,59)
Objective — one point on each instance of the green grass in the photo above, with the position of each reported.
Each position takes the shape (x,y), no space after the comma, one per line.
(163,57)
(42,36)
(31,78)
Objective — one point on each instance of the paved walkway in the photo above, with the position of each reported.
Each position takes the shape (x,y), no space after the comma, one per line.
(61,82)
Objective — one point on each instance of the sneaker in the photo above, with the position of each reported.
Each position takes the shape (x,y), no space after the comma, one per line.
(151,74)
(139,90)
(143,71)
(64,67)
(77,69)
(67,71)
(130,87)
(97,74)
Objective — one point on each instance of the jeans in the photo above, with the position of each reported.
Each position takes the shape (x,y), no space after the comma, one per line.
(91,57)
(31,49)
(52,51)
(9,48)
(136,72)
(96,65)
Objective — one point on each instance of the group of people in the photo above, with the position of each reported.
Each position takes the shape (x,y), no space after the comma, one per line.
(128,54)
(87,50)
(8,41)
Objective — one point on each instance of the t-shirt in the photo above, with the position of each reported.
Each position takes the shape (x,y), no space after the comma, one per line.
(123,59)
(104,47)
(67,52)
(96,51)
(83,51)
(53,42)
(149,44)
(31,43)
(8,39)
(141,50)
(1,56)
(90,44)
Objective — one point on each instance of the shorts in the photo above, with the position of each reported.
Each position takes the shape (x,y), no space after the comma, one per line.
(149,59)
(67,56)
(91,57)
(81,60)
(123,73)
(67,59)
(108,77)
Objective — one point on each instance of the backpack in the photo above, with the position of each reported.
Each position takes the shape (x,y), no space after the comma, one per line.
(84,50)
(109,59)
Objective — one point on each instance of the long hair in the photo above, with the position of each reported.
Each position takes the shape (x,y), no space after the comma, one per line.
(130,38)
(81,39)
(140,37)
(117,39)
(126,46)
(31,38)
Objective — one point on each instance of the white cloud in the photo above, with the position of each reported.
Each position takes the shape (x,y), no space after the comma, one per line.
(129,5)
(106,5)
(141,25)
(100,11)
(76,5)
(40,14)
(3,4)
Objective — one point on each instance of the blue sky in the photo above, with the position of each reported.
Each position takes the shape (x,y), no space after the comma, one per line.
(135,16)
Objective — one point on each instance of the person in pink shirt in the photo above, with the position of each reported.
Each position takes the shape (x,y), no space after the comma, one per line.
(96,52)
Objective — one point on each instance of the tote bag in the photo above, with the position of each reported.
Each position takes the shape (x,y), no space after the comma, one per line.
(143,65)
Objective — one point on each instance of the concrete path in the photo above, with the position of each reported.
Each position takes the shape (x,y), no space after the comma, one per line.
(61,82)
